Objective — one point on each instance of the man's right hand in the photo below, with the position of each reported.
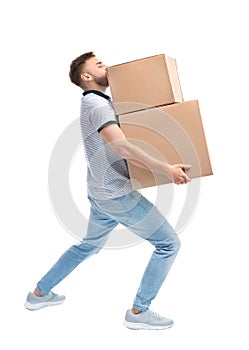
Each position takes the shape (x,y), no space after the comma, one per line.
(178,174)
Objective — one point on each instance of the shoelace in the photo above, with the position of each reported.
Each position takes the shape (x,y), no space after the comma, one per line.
(155,315)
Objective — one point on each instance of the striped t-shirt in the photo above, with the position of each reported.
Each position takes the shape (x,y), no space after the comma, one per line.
(107,172)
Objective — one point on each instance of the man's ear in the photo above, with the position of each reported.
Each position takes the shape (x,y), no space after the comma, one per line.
(86,77)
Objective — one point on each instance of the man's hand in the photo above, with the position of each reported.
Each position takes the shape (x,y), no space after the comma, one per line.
(178,174)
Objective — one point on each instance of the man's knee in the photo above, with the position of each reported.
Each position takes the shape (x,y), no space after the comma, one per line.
(172,241)
(176,244)
(172,245)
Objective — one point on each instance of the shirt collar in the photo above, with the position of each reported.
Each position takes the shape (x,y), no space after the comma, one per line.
(96,92)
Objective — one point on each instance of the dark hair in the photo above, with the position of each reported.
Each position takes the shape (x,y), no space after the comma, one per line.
(76,67)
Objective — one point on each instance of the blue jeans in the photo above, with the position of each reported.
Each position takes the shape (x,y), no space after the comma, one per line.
(141,217)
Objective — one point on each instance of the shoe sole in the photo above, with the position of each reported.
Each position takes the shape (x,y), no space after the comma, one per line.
(33,307)
(137,326)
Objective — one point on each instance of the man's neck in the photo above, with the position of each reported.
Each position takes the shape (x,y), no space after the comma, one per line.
(97,87)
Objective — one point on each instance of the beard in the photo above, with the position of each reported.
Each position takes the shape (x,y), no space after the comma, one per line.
(101,81)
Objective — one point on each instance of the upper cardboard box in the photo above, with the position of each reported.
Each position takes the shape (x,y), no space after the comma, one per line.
(173,134)
(143,83)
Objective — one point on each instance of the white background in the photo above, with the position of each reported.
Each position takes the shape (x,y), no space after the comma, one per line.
(206,292)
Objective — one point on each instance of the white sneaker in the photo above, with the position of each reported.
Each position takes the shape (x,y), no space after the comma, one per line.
(146,320)
(33,302)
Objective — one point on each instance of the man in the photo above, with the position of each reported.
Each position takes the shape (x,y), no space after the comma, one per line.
(113,201)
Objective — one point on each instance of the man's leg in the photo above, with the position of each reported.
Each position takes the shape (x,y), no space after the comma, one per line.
(99,227)
(141,217)
(150,224)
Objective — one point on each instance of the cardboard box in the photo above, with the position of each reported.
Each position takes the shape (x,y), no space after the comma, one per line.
(143,83)
(172,133)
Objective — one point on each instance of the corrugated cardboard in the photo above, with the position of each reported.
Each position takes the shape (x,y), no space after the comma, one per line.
(143,83)
(172,133)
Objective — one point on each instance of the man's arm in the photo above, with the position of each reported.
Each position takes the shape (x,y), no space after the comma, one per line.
(115,137)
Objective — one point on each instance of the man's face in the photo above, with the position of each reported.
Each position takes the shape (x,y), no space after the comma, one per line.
(97,70)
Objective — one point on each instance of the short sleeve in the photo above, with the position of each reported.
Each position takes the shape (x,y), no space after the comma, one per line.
(102,116)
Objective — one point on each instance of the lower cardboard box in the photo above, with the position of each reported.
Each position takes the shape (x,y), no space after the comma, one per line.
(172,133)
